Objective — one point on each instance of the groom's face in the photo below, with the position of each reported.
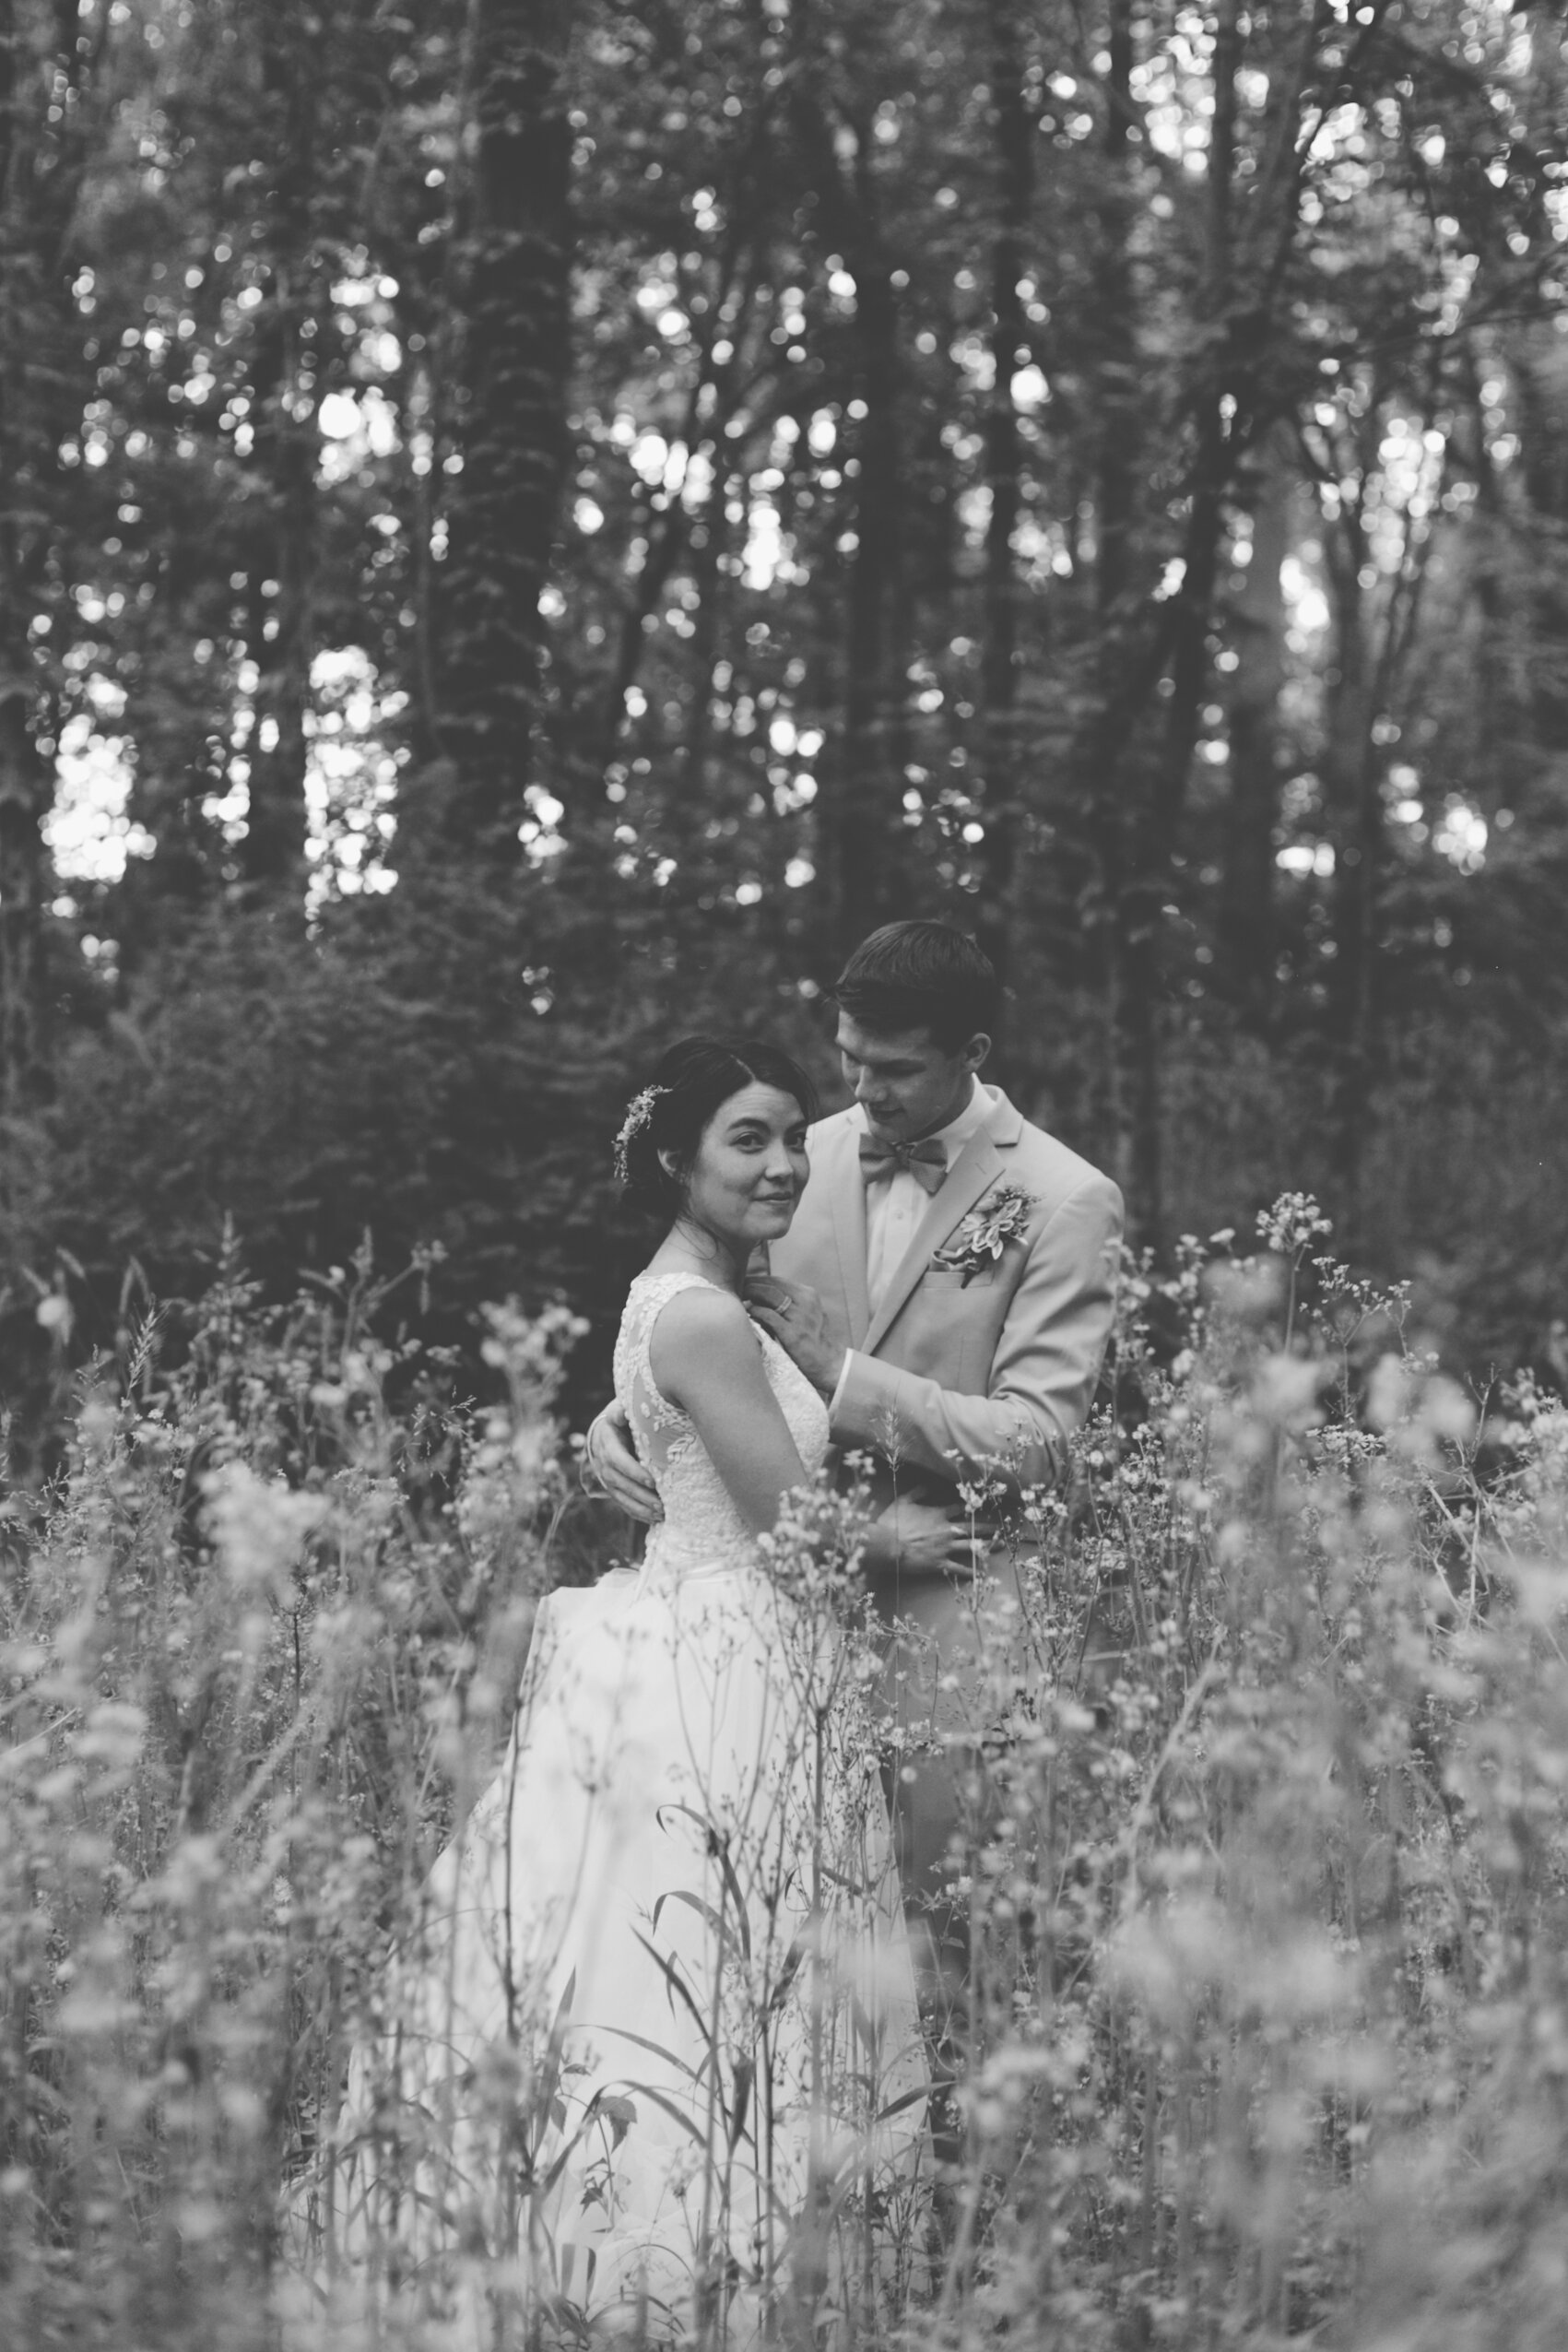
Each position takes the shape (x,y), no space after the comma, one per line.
(907,1083)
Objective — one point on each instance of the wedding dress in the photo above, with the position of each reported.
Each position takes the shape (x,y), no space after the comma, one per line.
(655,2062)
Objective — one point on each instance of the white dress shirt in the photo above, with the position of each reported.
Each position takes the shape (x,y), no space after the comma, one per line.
(895,1204)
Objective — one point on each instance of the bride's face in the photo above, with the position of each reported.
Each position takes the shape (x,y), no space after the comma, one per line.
(750,1169)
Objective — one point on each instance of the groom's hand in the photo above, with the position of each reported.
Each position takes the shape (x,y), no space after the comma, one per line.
(794,1314)
(617,1469)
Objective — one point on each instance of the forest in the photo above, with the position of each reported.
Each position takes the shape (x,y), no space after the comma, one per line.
(528,527)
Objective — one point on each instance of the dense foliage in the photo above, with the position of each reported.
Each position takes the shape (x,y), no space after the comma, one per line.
(522,527)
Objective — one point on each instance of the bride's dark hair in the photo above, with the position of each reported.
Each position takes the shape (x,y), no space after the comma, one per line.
(693,1080)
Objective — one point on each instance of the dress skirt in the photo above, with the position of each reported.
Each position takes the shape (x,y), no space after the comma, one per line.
(651,2059)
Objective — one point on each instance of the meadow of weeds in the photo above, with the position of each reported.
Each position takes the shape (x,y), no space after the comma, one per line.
(1265,1868)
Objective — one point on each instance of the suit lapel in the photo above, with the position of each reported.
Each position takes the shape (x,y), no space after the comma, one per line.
(978,1165)
(846,1196)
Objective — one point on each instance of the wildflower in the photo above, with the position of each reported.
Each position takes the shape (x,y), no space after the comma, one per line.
(260,1525)
(1292,1224)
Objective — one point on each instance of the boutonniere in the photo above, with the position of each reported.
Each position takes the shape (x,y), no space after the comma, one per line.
(984,1233)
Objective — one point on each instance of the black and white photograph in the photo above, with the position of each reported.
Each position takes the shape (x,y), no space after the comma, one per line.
(783,1176)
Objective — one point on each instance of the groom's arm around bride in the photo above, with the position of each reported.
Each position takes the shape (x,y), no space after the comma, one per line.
(949,1274)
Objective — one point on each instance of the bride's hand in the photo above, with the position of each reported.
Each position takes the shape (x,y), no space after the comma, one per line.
(615,1469)
(794,1314)
(919,1537)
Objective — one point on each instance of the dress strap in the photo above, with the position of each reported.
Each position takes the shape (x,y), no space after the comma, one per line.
(646,1299)
(651,1293)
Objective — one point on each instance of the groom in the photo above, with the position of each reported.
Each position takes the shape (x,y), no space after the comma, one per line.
(948,1285)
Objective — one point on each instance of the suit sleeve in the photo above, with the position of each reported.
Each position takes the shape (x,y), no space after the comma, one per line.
(1043,1374)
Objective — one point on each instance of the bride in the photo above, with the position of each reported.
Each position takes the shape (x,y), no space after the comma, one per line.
(654,2063)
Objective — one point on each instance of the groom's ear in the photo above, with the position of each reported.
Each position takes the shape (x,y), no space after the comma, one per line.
(974,1053)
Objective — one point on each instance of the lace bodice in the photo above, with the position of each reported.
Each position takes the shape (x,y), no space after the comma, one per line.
(702,1527)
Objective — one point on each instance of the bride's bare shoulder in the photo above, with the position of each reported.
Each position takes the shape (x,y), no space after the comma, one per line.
(700,1330)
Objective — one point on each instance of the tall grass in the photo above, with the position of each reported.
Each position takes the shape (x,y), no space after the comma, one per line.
(1265,1862)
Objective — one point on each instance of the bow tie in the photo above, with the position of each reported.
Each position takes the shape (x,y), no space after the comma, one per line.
(925,1161)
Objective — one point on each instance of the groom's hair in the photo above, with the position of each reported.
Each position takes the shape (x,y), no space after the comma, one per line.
(693,1080)
(921,975)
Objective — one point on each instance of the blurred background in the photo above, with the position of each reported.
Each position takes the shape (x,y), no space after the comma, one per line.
(527,525)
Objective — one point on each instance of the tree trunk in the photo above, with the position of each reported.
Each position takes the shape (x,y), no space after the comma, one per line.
(1129,953)
(42,385)
(1003,809)
(1136,908)
(1541,375)
(868,797)
(1247,896)
(1213,464)
(26,791)
(508,412)
(859,826)
(26,782)
(1350,795)
(288,396)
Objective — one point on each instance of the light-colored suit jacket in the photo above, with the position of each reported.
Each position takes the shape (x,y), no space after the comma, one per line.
(953,1373)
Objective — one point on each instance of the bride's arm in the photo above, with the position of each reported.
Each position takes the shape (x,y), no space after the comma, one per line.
(705,1358)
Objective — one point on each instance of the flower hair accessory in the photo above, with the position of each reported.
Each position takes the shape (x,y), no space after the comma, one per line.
(638,1111)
